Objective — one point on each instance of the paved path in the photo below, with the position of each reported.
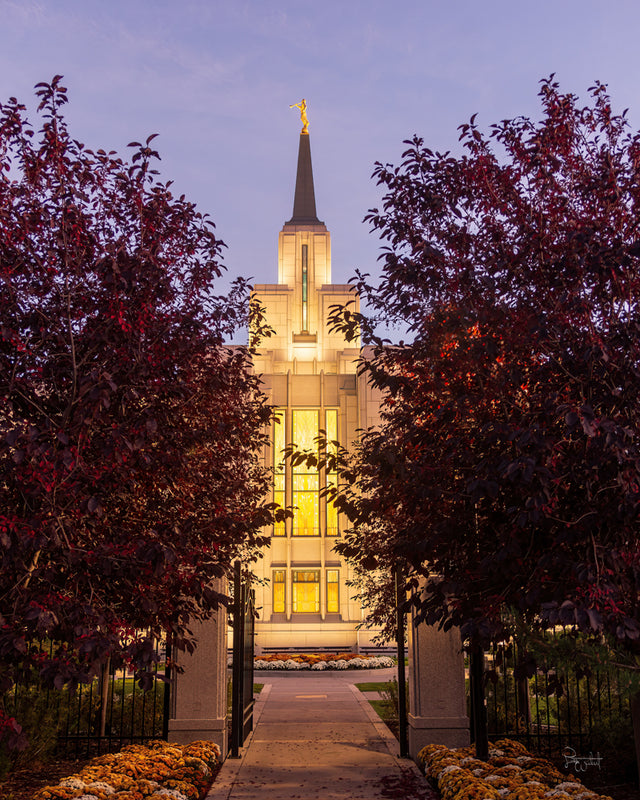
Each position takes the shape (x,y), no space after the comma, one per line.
(316,736)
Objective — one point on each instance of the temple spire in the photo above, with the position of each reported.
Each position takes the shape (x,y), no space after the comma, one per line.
(304,201)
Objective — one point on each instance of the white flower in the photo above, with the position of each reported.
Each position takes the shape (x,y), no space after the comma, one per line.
(291,664)
(319,665)
(101,786)
(447,770)
(341,664)
(260,664)
(73,783)
(173,793)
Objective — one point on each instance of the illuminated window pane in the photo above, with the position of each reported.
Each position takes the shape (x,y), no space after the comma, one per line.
(306,513)
(331,425)
(332,511)
(305,287)
(306,483)
(333,592)
(306,592)
(331,420)
(305,430)
(279,440)
(306,502)
(278,585)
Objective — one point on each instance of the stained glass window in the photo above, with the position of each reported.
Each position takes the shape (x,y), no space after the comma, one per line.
(305,288)
(305,480)
(279,591)
(304,483)
(279,440)
(331,423)
(306,591)
(333,592)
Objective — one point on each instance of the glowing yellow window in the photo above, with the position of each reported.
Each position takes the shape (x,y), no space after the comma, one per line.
(306,501)
(331,422)
(333,592)
(306,591)
(279,594)
(305,429)
(306,480)
(279,440)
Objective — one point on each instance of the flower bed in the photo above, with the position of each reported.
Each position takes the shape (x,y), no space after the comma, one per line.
(157,771)
(321,661)
(511,773)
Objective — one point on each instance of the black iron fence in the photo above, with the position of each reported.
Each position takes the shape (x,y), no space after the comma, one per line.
(560,708)
(96,717)
(243,620)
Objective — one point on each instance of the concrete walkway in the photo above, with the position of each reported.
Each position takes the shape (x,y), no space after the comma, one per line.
(316,736)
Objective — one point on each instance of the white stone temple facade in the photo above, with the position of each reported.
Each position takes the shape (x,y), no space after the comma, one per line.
(309,375)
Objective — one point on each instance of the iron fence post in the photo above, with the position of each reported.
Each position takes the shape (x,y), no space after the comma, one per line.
(402,685)
(237,687)
(479,726)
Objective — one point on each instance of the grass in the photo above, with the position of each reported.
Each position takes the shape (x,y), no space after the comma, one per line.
(373,686)
(382,709)
(386,704)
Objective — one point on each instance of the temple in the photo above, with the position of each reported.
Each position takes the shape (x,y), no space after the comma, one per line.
(309,375)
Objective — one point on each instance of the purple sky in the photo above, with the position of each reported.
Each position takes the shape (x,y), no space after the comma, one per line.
(215,79)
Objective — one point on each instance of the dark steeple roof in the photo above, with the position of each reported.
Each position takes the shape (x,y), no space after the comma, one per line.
(304,202)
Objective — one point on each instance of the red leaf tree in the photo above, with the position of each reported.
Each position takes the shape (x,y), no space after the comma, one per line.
(506,472)
(129,434)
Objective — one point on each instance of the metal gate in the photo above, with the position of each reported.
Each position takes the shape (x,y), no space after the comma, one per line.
(99,716)
(242,678)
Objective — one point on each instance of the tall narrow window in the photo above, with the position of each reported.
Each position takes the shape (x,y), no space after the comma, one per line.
(331,427)
(279,591)
(305,288)
(306,480)
(333,592)
(306,591)
(279,439)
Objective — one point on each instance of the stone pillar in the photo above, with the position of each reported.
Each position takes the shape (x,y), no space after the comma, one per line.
(200,691)
(437,698)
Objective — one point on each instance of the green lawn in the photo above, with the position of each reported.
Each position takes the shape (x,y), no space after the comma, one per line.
(374,686)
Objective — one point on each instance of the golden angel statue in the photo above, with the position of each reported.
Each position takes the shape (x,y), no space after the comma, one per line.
(302,105)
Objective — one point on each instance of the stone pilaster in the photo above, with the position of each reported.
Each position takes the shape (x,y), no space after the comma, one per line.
(437,699)
(200,691)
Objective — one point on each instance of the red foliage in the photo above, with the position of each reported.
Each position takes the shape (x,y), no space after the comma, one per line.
(129,434)
(507,470)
